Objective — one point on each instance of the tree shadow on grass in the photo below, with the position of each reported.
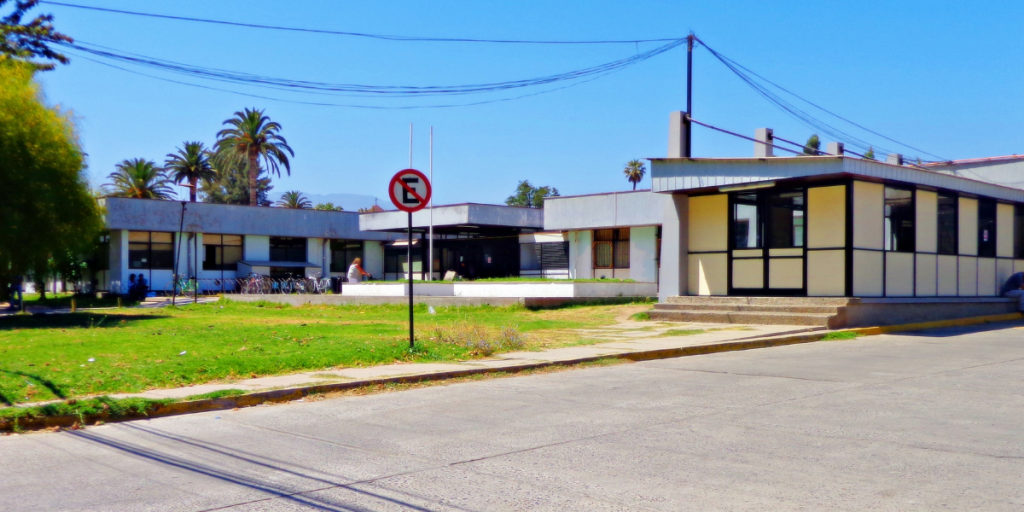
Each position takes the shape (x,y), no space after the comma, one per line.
(72,320)
(48,384)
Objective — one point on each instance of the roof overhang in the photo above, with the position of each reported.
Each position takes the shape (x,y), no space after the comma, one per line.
(671,175)
(464,217)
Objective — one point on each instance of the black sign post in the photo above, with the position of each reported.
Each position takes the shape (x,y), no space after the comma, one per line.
(410,192)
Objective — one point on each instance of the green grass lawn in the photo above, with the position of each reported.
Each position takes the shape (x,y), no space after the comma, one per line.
(45,357)
(63,300)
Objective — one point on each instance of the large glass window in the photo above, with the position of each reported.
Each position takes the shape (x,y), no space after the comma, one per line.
(986,228)
(287,249)
(899,220)
(150,250)
(223,252)
(786,219)
(611,248)
(947,224)
(1018,231)
(745,226)
(343,252)
(101,254)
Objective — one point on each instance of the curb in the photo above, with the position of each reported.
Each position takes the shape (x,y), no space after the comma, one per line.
(290,394)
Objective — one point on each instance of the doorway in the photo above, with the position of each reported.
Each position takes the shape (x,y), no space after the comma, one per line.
(767,232)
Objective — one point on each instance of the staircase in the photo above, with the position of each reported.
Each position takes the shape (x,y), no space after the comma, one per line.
(815,311)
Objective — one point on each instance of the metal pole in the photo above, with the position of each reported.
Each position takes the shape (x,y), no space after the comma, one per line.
(174,278)
(689,95)
(410,145)
(195,266)
(430,251)
(408,259)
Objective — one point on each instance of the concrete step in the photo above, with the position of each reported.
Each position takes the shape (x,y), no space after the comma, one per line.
(801,308)
(763,301)
(742,317)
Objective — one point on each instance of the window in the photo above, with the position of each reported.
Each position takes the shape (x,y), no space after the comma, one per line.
(899,220)
(611,248)
(150,250)
(343,252)
(222,251)
(745,226)
(986,228)
(947,224)
(101,255)
(287,249)
(786,219)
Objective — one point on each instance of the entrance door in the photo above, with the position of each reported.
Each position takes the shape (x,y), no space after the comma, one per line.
(766,236)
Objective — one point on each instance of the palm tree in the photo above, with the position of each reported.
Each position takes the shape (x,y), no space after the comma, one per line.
(294,199)
(191,164)
(634,172)
(251,138)
(140,178)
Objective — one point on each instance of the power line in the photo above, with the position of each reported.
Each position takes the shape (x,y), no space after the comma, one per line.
(386,37)
(361,89)
(734,134)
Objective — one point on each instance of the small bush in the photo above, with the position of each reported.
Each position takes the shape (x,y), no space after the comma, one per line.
(480,339)
(642,316)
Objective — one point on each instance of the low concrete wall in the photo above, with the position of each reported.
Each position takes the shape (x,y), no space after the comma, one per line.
(505,290)
(869,312)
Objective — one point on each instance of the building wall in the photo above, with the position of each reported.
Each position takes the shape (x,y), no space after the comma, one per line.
(373,258)
(826,241)
(643,257)
(707,240)
(580,256)
(256,248)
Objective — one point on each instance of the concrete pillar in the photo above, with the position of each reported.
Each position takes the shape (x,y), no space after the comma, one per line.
(581,261)
(373,259)
(764,150)
(678,129)
(894,159)
(836,148)
(674,247)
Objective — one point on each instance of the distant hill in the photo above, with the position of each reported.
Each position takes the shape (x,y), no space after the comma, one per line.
(350,202)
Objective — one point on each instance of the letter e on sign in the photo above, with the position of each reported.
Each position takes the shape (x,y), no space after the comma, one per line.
(410,190)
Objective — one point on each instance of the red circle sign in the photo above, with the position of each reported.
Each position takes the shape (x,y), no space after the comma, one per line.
(410,190)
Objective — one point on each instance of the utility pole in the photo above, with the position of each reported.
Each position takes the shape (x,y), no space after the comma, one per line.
(430,239)
(689,96)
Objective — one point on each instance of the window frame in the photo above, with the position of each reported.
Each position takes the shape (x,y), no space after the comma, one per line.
(288,249)
(149,252)
(990,246)
(343,265)
(765,224)
(954,239)
(209,265)
(893,243)
(618,256)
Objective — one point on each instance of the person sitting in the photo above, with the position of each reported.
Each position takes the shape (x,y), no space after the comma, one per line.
(356,272)
(133,287)
(1014,288)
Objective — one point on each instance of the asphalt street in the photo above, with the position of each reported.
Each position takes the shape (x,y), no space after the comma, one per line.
(924,421)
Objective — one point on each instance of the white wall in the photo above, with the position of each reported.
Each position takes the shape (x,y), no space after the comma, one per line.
(581,263)
(373,258)
(643,265)
(257,248)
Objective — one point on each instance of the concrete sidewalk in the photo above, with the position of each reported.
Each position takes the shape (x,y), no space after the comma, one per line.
(622,338)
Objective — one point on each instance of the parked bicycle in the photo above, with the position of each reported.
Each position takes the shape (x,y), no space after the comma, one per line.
(256,284)
(182,285)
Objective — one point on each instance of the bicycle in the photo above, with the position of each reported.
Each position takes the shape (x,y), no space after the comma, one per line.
(255,284)
(182,285)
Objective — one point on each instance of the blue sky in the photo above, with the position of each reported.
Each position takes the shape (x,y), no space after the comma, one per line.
(946,77)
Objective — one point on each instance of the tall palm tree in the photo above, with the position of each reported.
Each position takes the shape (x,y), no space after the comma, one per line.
(253,138)
(140,178)
(191,163)
(294,199)
(634,172)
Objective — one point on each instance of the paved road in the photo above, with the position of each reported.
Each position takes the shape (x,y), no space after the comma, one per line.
(915,422)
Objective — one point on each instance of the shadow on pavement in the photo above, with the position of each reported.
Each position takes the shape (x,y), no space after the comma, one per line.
(270,470)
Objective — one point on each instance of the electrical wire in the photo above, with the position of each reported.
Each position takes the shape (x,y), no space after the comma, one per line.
(385,37)
(734,134)
(360,89)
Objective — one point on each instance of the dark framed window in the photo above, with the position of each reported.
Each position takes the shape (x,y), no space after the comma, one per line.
(611,248)
(899,220)
(1018,231)
(947,224)
(786,219)
(287,249)
(987,228)
(746,226)
(101,254)
(223,252)
(343,252)
(150,250)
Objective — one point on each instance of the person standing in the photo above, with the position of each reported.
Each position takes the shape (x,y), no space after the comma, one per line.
(1014,288)
(17,287)
(356,272)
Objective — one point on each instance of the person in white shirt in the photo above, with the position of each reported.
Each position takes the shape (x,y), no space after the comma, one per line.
(356,272)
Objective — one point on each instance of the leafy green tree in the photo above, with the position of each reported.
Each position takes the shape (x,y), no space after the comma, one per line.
(328,207)
(26,41)
(231,186)
(140,178)
(46,208)
(813,145)
(254,139)
(294,199)
(530,196)
(634,172)
(870,155)
(191,163)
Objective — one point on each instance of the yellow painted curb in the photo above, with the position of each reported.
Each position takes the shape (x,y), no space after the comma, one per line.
(956,322)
